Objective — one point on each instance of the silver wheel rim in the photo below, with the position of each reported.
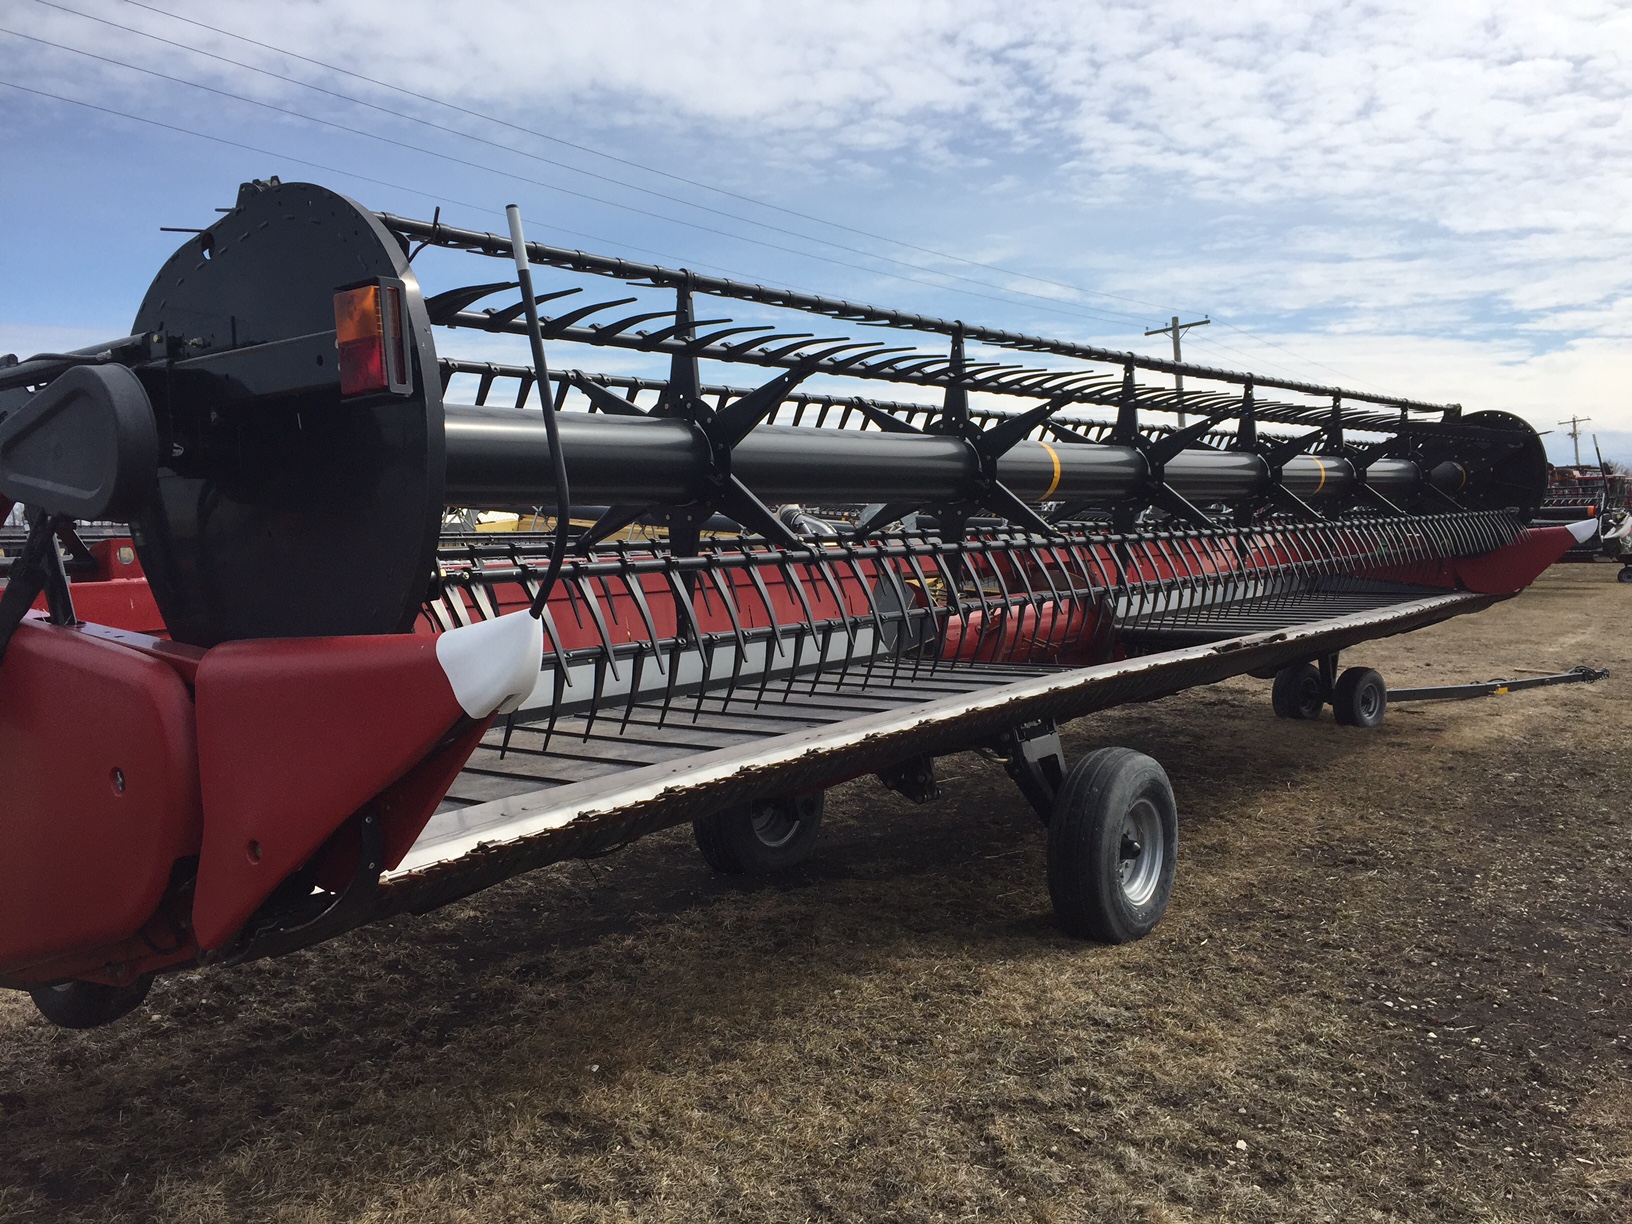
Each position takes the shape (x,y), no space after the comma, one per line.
(1369,701)
(775,824)
(1143,845)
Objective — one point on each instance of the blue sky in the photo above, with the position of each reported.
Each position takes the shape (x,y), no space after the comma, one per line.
(1429,200)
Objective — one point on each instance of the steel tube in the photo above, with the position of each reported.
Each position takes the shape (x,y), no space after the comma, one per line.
(1066,471)
(1204,476)
(783,463)
(500,457)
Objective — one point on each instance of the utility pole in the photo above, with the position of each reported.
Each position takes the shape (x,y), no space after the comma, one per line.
(1177,329)
(1575,424)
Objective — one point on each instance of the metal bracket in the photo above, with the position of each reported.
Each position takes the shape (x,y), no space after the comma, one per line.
(988,445)
(345,910)
(1157,453)
(1363,457)
(1365,490)
(913,778)
(1327,665)
(1278,455)
(1176,504)
(888,422)
(680,397)
(1246,432)
(38,569)
(1293,502)
(954,418)
(1126,430)
(723,429)
(997,441)
(876,515)
(1034,757)
(603,398)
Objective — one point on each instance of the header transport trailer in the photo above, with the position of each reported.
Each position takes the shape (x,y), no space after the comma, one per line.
(277,691)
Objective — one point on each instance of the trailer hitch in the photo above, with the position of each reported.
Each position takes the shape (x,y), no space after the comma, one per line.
(1498,688)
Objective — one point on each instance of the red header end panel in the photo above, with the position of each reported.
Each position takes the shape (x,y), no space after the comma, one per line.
(98,791)
(295,736)
(1515,567)
(1506,571)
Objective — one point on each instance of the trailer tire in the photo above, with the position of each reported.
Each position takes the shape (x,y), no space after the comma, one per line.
(1360,698)
(1112,846)
(760,837)
(1299,692)
(1625,575)
(83,1005)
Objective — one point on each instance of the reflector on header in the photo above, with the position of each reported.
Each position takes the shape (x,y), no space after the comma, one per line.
(368,329)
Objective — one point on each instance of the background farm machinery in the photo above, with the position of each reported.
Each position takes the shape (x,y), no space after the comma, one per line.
(291,691)
(1580,492)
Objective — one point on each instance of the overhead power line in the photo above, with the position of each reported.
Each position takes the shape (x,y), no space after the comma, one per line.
(1053,303)
(624,161)
(678,178)
(441,198)
(369,135)
(438,197)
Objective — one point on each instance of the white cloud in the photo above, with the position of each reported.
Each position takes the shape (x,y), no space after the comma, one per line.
(1434,198)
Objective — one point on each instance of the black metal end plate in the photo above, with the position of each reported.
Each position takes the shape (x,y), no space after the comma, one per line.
(281,510)
(1509,465)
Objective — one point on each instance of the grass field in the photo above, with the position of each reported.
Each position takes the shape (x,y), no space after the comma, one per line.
(1392,986)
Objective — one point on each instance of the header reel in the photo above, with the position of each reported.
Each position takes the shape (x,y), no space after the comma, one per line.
(290,475)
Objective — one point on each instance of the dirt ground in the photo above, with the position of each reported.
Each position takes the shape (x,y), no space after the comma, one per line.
(1391,986)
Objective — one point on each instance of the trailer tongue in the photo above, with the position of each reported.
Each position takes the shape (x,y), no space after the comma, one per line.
(354,709)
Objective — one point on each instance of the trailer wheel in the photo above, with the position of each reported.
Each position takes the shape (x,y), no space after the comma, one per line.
(764,836)
(1299,692)
(83,1005)
(1625,575)
(1112,846)
(1360,698)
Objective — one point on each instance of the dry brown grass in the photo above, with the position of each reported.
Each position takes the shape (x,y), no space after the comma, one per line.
(1395,970)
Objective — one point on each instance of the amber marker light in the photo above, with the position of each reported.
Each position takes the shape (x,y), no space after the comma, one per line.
(368,331)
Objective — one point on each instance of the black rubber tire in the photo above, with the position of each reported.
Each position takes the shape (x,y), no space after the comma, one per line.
(1625,575)
(1299,692)
(765,836)
(1086,846)
(1360,698)
(83,1005)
